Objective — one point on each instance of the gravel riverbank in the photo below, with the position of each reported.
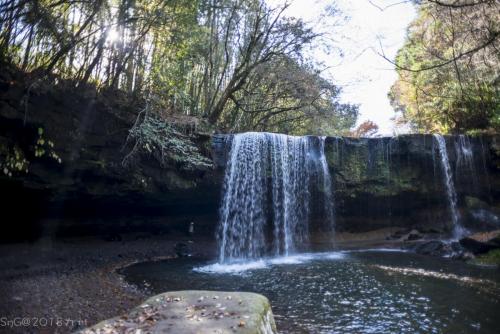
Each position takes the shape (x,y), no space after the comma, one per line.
(59,287)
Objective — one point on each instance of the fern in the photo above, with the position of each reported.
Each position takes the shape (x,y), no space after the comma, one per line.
(166,144)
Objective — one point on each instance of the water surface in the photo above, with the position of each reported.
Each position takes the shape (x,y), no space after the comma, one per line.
(354,292)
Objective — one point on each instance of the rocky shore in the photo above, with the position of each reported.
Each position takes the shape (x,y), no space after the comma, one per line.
(63,286)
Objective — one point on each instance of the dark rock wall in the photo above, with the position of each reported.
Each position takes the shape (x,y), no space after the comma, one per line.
(378,183)
(89,191)
(398,182)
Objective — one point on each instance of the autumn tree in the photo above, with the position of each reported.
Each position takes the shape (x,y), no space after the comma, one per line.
(448,68)
(365,129)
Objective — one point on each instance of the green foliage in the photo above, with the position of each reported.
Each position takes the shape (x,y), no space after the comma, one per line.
(289,97)
(45,147)
(14,161)
(238,65)
(15,158)
(166,144)
(448,69)
(490,258)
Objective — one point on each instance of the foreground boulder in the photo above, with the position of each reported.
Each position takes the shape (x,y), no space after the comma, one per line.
(195,312)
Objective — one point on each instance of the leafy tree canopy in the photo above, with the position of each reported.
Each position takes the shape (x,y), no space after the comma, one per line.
(234,65)
(449,68)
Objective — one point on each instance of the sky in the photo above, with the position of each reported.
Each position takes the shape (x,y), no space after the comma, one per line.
(369,27)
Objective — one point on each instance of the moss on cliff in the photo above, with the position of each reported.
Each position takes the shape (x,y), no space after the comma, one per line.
(369,166)
(490,258)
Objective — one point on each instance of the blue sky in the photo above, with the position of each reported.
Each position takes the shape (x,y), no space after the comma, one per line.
(364,75)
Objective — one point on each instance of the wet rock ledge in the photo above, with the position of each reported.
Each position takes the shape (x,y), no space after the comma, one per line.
(193,312)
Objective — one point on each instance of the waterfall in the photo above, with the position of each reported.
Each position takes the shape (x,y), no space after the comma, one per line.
(458,230)
(266,195)
(290,190)
(463,149)
(465,162)
(327,186)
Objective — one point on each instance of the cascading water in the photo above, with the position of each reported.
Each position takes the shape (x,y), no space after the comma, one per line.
(327,186)
(458,230)
(465,155)
(465,162)
(290,190)
(268,177)
(242,213)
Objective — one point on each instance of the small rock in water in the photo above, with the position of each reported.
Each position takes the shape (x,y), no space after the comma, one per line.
(465,256)
(480,243)
(433,248)
(182,249)
(413,235)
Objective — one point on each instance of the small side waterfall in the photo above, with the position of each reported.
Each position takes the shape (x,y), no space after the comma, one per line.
(458,230)
(465,162)
(327,186)
(465,155)
(266,195)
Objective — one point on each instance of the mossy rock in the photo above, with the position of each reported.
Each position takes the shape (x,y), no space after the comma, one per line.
(490,258)
(475,203)
(193,312)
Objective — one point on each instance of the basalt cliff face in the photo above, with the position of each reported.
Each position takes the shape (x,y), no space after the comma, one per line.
(62,171)
(61,154)
(399,181)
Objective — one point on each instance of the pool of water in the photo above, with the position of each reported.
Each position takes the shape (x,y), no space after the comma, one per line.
(348,292)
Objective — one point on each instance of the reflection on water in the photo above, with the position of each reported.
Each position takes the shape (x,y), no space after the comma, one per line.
(356,292)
